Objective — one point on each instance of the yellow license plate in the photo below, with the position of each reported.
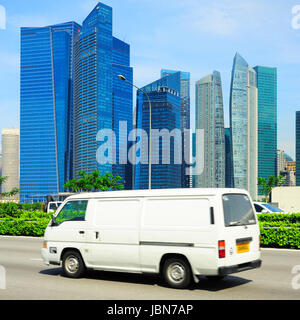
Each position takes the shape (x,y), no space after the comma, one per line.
(242,247)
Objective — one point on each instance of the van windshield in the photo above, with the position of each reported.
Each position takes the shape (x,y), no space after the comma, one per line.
(237,210)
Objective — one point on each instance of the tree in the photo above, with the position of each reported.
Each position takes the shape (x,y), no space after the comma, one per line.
(94,182)
(11,193)
(266,186)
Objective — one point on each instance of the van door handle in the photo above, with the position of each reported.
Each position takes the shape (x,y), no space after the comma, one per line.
(97,234)
(81,232)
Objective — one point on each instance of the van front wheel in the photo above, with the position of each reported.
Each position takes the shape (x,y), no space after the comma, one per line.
(73,265)
(177,273)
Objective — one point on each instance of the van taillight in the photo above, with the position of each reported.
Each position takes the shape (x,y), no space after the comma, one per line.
(221,247)
(259,241)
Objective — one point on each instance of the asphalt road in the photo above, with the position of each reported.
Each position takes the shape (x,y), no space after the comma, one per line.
(28,278)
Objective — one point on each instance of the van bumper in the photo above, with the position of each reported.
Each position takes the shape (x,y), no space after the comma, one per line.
(223,271)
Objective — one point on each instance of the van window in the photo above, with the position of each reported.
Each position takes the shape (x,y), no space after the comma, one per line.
(52,206)
(258,208)
(72,211)
(237,210)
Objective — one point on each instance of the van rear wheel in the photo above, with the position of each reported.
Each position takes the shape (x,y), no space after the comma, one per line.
(177,273)
(73,265)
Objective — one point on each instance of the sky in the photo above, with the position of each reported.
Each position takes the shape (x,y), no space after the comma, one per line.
(197,36)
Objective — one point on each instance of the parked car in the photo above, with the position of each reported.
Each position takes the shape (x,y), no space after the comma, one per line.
(262,207)
(179,234)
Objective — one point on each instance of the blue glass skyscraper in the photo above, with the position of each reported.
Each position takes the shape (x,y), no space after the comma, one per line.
(45,108)
(69,92)
(101,99)
(266,79)
(165,112)
(122,110)
(181,81)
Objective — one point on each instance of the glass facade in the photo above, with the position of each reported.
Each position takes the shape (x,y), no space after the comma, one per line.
(101,99)
(70,91)
(46,103)
(210,118)
(122,110)
(267,121)
(229,183)
(183,87)
(165,114)
(243,123)
(298,148)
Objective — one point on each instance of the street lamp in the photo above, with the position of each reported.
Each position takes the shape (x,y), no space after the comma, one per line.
(121,77)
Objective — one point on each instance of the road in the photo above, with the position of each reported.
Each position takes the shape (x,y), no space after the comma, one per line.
(28,278)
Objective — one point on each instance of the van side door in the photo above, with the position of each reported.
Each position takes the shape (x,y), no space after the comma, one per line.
(114,235)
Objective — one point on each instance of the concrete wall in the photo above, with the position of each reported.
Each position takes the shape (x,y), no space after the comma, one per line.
(288,198)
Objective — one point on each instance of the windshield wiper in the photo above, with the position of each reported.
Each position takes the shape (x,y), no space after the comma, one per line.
(237,223)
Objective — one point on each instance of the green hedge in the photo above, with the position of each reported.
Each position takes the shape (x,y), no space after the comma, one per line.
(23,227)
(280,230)
(23,223)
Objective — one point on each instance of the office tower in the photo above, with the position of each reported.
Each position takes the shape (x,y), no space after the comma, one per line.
(46,108)
(122,110)
(101,99)
(180,81)
(243,123)
(281,162)
(229,181)
(11,160)
(266,79)
(290,173)
(298,148)
(165,114)
(210,118)
(69,92)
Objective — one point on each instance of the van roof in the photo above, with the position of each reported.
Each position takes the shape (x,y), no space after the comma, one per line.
(157,193)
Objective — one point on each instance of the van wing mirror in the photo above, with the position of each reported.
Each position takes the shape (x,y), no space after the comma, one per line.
(53,223)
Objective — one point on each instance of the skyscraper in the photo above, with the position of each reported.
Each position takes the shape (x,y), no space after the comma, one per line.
(70,91)
(122,109)
(181,82)
(298,148)
(11,160)
(165,113)
(243,123)
(210,118)
(101,99)
(46,108)
(229,181)
(266,79)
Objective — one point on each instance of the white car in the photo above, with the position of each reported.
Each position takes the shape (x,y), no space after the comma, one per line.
(262,207)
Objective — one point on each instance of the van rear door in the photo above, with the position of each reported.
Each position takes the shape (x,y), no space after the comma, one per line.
(241,229)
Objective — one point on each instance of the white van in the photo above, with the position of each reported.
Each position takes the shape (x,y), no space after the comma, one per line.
(178,233)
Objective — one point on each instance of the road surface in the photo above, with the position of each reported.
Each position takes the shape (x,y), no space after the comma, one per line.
(28,278)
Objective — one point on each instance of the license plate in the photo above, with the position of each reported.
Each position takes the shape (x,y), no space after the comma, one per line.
(242,247)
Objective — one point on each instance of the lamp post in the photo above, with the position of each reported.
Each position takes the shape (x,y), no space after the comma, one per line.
(121,77)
